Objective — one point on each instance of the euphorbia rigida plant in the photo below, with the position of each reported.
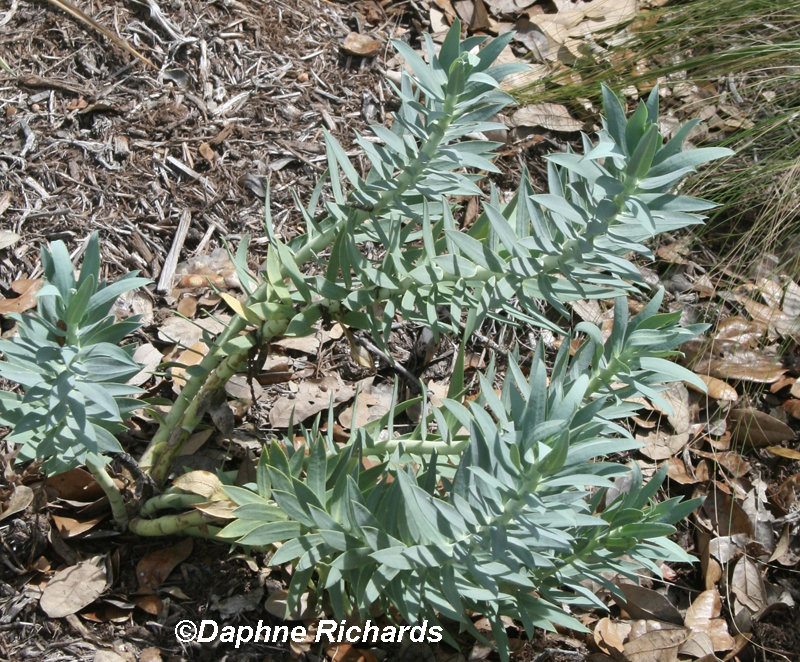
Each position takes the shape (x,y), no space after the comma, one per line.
(495,505)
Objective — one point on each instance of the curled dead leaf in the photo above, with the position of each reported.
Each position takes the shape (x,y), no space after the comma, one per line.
(607,638)
(27,289)
(717,389)
(20,499)
(203,483)
(362,45)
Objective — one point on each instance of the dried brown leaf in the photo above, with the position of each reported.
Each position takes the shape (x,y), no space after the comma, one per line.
(747,585)
(305,344)
(75,485)
(27,289)
(8,238)
(186,333)
(149,358)
(552,116)
(203,483)
(644,603)
(220,509)
(20,499)
(792,407)
(607,638)
(676,470)
(312,397)
(677,396)
(674,253)
(661,446)
(189,357)
(741,331)
(148,603)
(153,569)
(757,428)
(74,588)
(731,461)
(723,515)
(361,44)
(698,645)
(70,528)
(703,617)
(275,604)
(656,646)
(788,453)
(187,306)
(717,389)
(712,571)
(206,152)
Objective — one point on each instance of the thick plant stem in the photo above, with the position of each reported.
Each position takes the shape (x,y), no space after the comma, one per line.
(214,383)
(193,386)
(175,501)
(111,490)
(170,524)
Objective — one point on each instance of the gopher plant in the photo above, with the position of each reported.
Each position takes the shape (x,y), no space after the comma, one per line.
(499,505)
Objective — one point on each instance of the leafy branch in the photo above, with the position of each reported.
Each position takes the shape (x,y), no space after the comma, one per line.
(508,512)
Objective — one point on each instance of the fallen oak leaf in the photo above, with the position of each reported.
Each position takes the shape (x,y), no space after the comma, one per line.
(703,616)
(721,514)
(788,453)
(70,528)
(150,604)
(200,482)
(644,603)
(758,428)
(75,485)
(747,585)
(717,389)
(8,238)
(661,446)
(74,588)
(656,645)
(21,498)
(607,637)
(792,407)
(153,569)
(27,289)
